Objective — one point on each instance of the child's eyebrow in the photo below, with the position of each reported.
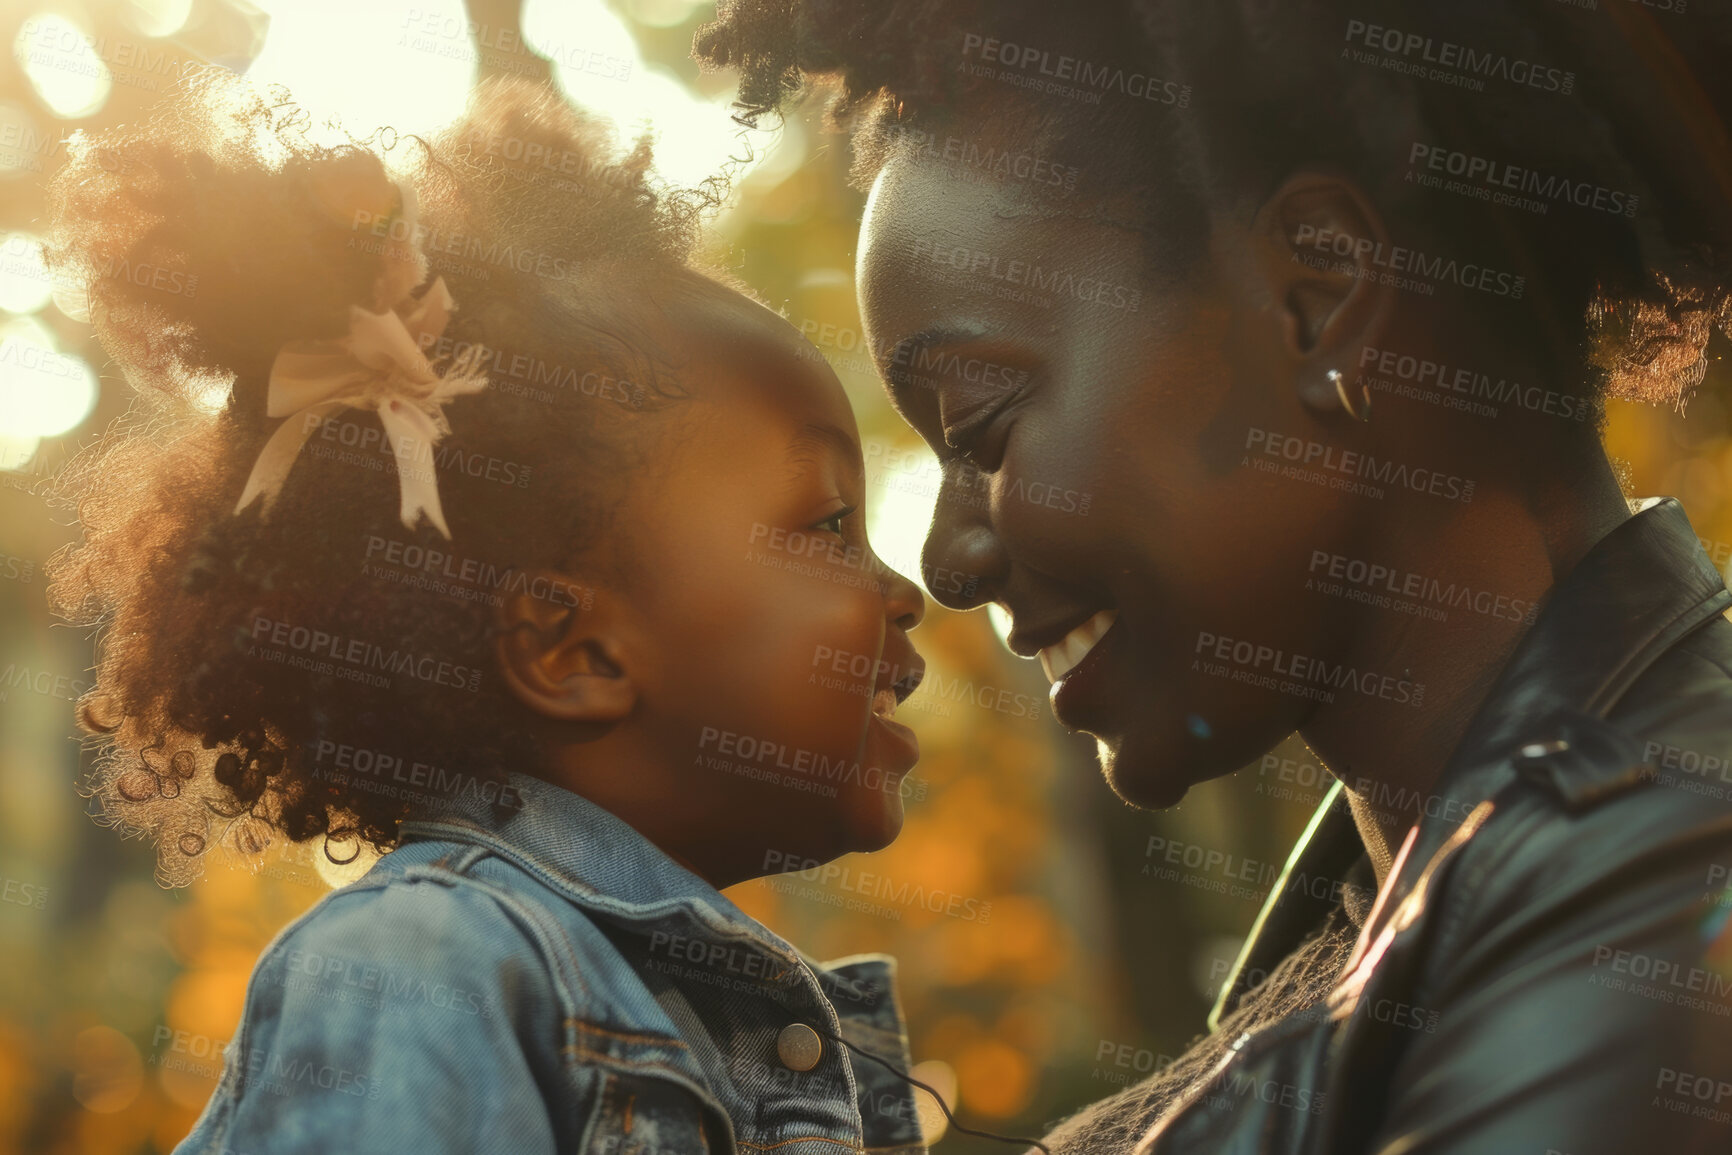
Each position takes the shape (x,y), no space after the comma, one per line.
(809,441)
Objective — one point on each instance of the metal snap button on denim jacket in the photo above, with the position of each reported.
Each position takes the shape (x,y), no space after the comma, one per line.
(543,979)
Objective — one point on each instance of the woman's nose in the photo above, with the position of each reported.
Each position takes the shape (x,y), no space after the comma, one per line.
(963,561)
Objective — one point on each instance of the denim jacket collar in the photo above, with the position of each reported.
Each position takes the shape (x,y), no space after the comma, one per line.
(610,860)
(596,859)
(614,874)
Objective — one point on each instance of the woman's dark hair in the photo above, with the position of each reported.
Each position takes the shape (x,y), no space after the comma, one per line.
(1582,146)
(320,669)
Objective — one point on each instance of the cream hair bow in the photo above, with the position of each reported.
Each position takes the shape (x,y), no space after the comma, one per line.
(379,365)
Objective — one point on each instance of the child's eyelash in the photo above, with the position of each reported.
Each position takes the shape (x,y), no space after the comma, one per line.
(838,517)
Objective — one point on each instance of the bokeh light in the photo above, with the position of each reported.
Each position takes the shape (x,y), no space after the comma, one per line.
(25,285)
(43,392)
(63,65)
(360,64)
(899,503)
(598,64)
(158,17)
(27,145)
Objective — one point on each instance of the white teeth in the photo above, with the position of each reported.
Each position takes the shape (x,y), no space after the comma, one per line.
(1063,656)
(884,703)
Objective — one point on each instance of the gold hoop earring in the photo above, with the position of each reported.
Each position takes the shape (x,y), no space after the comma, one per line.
(1360,412)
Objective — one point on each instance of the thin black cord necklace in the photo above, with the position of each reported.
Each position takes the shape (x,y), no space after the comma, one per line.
(942,1105)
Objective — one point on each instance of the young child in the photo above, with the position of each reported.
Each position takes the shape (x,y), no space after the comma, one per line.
(461,519)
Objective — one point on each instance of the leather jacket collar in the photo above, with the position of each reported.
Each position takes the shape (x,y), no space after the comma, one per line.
(1637,591)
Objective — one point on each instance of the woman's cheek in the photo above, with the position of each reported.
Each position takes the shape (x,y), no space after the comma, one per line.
(1043,503)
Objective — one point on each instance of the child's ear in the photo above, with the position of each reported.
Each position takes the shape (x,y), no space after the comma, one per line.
(561,651)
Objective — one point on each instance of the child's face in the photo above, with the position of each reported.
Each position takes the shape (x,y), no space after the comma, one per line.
(767,645)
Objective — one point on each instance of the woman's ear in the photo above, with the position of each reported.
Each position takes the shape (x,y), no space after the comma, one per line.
(562,651)
(1321,241)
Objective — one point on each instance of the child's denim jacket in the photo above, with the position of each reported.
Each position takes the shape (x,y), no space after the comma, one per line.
(541,979)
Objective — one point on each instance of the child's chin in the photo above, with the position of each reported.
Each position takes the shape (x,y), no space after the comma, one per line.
(851,824)
(871,822)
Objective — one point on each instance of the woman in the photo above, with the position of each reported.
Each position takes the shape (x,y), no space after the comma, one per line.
(1318,304)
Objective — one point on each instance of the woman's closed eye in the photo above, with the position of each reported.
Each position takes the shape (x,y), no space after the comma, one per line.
(958,397)
(968,438)
(966,415)
(963,437)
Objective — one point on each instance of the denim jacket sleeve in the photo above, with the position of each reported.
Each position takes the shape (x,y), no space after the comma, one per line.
(412,1013)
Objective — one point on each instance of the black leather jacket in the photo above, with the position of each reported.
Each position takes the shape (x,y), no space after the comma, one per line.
(1548,967)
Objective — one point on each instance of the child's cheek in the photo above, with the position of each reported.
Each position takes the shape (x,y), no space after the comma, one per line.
(778,687)
(839,661)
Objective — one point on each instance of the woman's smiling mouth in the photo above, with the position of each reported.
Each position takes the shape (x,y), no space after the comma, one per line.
(1067,653)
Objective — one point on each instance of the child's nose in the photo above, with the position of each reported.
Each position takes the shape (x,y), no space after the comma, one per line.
(904,604)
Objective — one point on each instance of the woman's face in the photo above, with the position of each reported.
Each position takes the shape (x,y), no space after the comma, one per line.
(1107,475)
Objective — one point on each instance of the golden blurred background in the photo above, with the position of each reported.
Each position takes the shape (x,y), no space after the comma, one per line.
(1047,957)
